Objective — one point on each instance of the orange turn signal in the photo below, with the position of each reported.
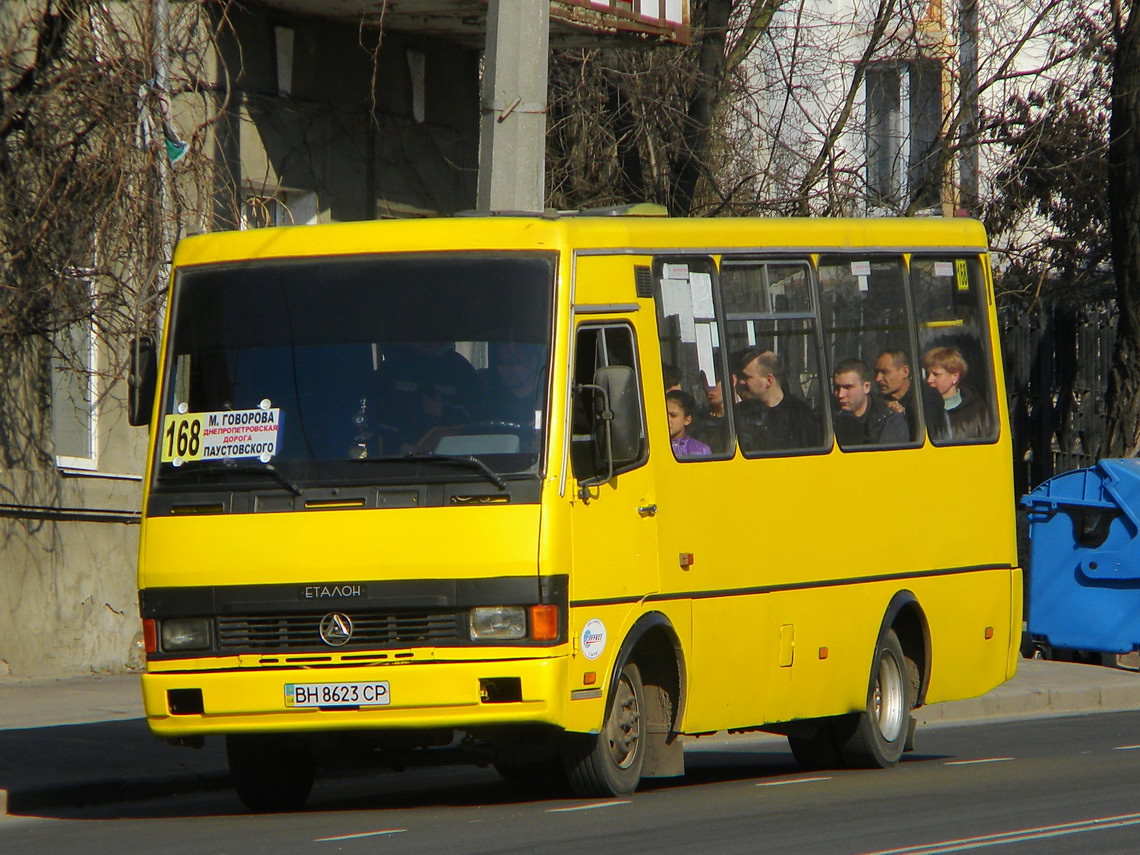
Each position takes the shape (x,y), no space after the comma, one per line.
(544,623)
(150,635)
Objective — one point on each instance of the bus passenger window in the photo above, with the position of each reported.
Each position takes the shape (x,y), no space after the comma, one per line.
(771,332)
(868,342)
(957,368)
(690,352)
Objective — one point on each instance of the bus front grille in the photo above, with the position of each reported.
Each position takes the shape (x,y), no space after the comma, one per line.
(268,632)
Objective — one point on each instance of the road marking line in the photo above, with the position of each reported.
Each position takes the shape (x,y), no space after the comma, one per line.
(793,781)
(1039,833)
(1126,747)
(976,762)
(587,807)
(361,834)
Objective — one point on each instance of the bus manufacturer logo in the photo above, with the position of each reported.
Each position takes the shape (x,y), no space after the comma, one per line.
(323,592)
(593,638)
(336,629)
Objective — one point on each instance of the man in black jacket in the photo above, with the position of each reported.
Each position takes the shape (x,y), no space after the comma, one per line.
(894,378)
(863,419)
(769,418)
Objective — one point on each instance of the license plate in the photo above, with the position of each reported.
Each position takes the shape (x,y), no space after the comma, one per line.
(337,694)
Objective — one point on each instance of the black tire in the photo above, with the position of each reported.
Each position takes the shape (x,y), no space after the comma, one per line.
(876,738)
(270,772)
(820,750)
(609,763)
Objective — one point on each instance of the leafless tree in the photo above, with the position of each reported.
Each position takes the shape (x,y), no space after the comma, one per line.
(89,197)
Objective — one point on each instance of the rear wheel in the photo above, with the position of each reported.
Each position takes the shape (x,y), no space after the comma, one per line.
(609,763)
(819,750)
(270,772)
(877,736)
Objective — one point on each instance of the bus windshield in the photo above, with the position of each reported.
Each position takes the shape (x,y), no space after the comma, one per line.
(350,369)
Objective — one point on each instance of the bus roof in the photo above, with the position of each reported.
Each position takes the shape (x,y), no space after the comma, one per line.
(640,235)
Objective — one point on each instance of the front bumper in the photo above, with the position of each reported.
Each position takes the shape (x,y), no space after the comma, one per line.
(422,695)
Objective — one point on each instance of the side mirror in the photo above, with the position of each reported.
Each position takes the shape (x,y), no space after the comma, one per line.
(143,380)
(623,420)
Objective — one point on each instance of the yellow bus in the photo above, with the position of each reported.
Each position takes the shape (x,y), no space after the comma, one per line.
(557,492)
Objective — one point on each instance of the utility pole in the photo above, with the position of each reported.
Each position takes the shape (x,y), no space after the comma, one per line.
(968,60)
(512,130)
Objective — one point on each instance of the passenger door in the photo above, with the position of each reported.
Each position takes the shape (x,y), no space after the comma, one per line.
(615,530)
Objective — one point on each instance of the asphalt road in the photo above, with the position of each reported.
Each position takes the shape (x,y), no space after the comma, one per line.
(1055,785)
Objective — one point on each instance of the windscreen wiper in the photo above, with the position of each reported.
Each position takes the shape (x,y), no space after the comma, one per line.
(469,460)
(233,468)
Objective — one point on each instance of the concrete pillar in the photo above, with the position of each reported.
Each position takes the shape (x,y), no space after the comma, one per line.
(512,132)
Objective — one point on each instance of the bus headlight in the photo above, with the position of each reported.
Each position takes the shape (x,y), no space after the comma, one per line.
(186,634)
(498,622)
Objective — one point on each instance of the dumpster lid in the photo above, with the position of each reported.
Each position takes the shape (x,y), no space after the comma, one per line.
(1111,484)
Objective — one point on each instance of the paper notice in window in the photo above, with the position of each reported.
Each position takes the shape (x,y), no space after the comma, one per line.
(676,299)
(701,284)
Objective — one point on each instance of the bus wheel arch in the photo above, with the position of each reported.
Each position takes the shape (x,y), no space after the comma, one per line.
(647,684)
(900,667)
(906,617)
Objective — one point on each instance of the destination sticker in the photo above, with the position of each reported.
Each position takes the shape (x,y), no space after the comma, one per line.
(593,638)
(221,435)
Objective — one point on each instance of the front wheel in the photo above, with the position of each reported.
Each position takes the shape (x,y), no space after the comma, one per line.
(270,772)
(609,763)
(877,736)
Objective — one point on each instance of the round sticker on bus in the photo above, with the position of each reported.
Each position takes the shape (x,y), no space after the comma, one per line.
(593,638)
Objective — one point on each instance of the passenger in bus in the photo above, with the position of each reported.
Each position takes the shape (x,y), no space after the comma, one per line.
(680,407)
(709,424)
(862,418)
(969,415)
(770,418)
(893,376)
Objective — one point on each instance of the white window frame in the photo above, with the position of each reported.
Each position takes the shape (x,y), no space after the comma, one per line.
(90,389)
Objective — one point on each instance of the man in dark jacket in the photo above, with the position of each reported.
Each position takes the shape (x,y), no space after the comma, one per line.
(862,418)
(769,418)
(894,378)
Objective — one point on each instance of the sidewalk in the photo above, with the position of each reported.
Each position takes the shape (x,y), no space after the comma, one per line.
(84,740)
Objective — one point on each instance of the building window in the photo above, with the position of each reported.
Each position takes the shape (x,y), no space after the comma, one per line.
(284,208)
(904,133)
(73,397)
(884,134)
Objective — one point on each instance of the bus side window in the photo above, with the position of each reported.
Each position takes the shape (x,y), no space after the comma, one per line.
(690,349)
(598,346)
(867,328)
(949,293)
(771,333)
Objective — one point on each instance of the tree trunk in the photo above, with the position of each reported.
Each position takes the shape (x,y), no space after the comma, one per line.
(1122,434)
(710,73)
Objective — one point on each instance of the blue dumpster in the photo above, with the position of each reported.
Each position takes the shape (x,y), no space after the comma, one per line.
(1084,563)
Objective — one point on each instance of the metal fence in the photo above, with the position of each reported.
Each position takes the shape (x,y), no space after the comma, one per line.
(1057,364)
